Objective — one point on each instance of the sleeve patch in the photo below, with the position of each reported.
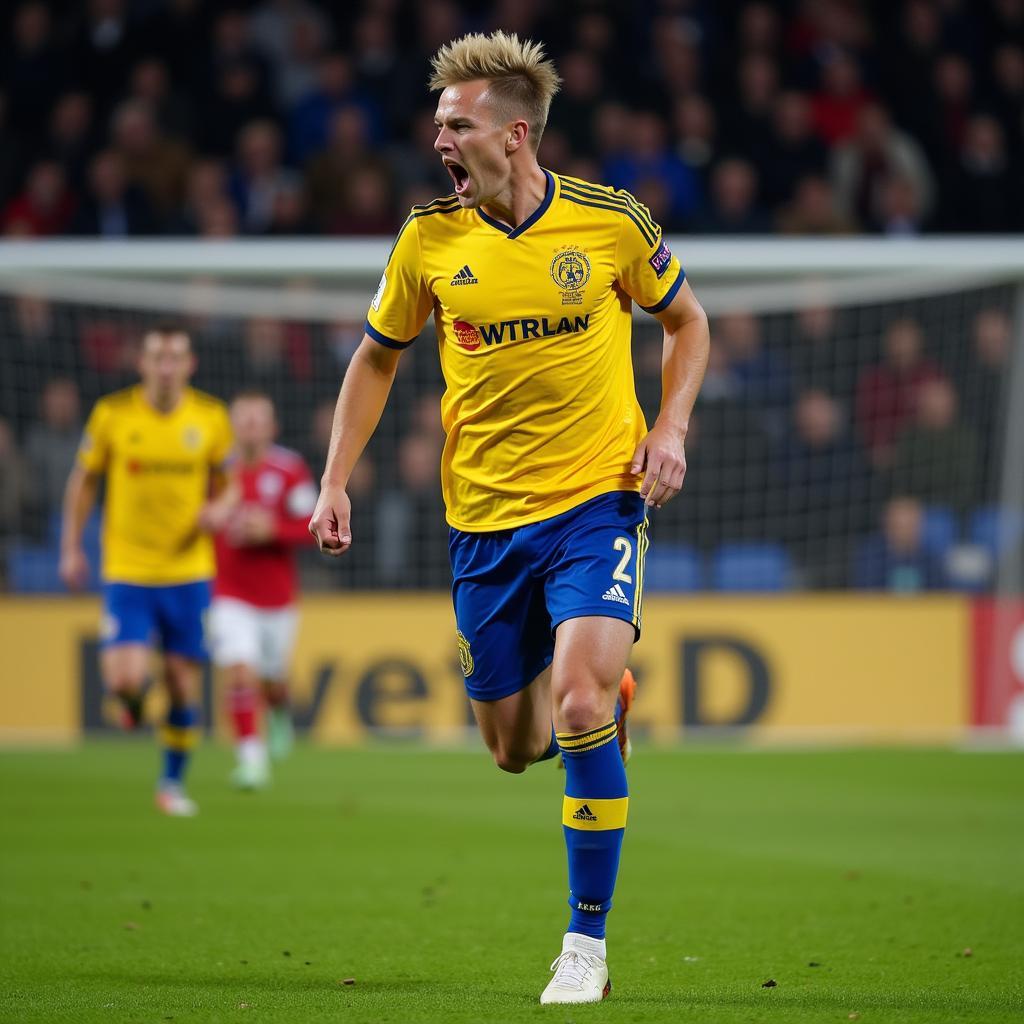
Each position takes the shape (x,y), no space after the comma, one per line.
(660,260)
(301,499)
(380,292)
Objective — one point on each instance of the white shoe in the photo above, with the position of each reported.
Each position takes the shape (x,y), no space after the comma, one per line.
(170,800)
(250,775)
(581,974)
(253,768)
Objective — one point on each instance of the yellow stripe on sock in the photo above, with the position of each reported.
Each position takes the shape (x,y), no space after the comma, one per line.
(575,741)
(593,744)
(590,815)
(177,738)
(580,735)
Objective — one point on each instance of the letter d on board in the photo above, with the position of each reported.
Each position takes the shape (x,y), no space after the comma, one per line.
(752,664)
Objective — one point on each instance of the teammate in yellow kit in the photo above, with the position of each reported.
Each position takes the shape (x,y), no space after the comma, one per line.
(160,445)
(548,467)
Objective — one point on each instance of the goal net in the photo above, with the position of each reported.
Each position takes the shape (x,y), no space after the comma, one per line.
(859,426)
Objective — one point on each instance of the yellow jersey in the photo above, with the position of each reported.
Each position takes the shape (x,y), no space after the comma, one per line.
(157,467)
(533,325)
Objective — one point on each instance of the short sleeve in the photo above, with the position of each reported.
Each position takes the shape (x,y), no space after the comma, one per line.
(94,448)
(403,302)
(223,439)
(646,268)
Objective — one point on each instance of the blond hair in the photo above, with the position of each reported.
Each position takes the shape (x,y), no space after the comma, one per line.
(522,80)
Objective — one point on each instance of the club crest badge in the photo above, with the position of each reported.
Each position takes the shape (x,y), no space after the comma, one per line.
(465,658)
(570,270)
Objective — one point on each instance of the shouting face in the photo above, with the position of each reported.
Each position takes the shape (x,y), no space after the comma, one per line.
(476,141)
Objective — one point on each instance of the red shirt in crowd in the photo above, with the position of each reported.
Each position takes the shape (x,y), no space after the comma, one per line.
(264,574)
(886,400)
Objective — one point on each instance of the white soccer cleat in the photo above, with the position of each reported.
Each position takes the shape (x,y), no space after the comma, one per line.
(250,775)
(253,768)
(581,974)
(170,800)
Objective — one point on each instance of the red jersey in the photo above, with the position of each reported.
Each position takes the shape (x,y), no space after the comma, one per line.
(264,574)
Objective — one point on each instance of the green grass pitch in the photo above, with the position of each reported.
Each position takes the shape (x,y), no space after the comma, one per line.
(867,885)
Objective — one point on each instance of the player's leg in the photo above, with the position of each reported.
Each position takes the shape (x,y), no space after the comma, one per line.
(125,671)
(505,646)
(590,658)
(517,729)
(182,611)
(593,595)
(235,645)
(280,728)
(252,763)
(127,631)
(278,640)
(179,733)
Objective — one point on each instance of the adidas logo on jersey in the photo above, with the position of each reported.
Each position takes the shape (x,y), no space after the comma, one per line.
(465,276)
(615,593)
(584,813)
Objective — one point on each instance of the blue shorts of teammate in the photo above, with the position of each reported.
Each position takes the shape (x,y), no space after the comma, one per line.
(173,615)
(512,588)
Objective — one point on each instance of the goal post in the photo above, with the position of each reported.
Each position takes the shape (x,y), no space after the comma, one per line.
(817,448)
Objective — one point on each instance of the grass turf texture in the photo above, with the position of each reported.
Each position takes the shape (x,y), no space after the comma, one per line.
(882,884)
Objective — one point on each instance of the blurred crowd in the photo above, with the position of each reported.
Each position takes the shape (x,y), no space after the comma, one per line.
(282,117)
(863,447)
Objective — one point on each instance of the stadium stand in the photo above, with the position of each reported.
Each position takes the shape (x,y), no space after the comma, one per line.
(293,116)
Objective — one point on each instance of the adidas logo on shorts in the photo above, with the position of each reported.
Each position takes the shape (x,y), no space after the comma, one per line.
(615,593)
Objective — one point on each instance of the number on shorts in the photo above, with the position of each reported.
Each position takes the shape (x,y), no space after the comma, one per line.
(623,544)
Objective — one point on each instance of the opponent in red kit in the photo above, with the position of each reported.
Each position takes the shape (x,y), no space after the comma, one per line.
(261,518)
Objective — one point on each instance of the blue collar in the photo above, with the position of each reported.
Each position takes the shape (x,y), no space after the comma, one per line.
(549,195)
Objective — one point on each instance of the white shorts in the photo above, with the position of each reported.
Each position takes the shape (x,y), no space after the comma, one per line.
(262,638)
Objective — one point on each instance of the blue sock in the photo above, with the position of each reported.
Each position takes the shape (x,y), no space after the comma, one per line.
(552,750)
(593,820)
(178,736)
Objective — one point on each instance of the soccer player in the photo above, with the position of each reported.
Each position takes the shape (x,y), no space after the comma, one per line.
(262,515)
(548,467)
(160,446)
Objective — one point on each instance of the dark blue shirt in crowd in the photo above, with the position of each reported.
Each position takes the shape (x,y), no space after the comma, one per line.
(877,567)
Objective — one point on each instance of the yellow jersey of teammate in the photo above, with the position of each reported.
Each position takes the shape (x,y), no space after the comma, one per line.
(157,467)
(534,326)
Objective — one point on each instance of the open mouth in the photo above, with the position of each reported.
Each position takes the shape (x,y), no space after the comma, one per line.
(460,176)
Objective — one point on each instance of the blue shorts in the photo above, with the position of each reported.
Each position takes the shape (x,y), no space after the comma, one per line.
(512,588)
(173,615)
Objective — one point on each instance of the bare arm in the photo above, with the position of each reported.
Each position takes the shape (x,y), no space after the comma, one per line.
(661,455)
(361,401)
(79,498)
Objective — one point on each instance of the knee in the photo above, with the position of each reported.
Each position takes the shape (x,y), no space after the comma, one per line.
(580,709)
(125,682)
(510,760)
